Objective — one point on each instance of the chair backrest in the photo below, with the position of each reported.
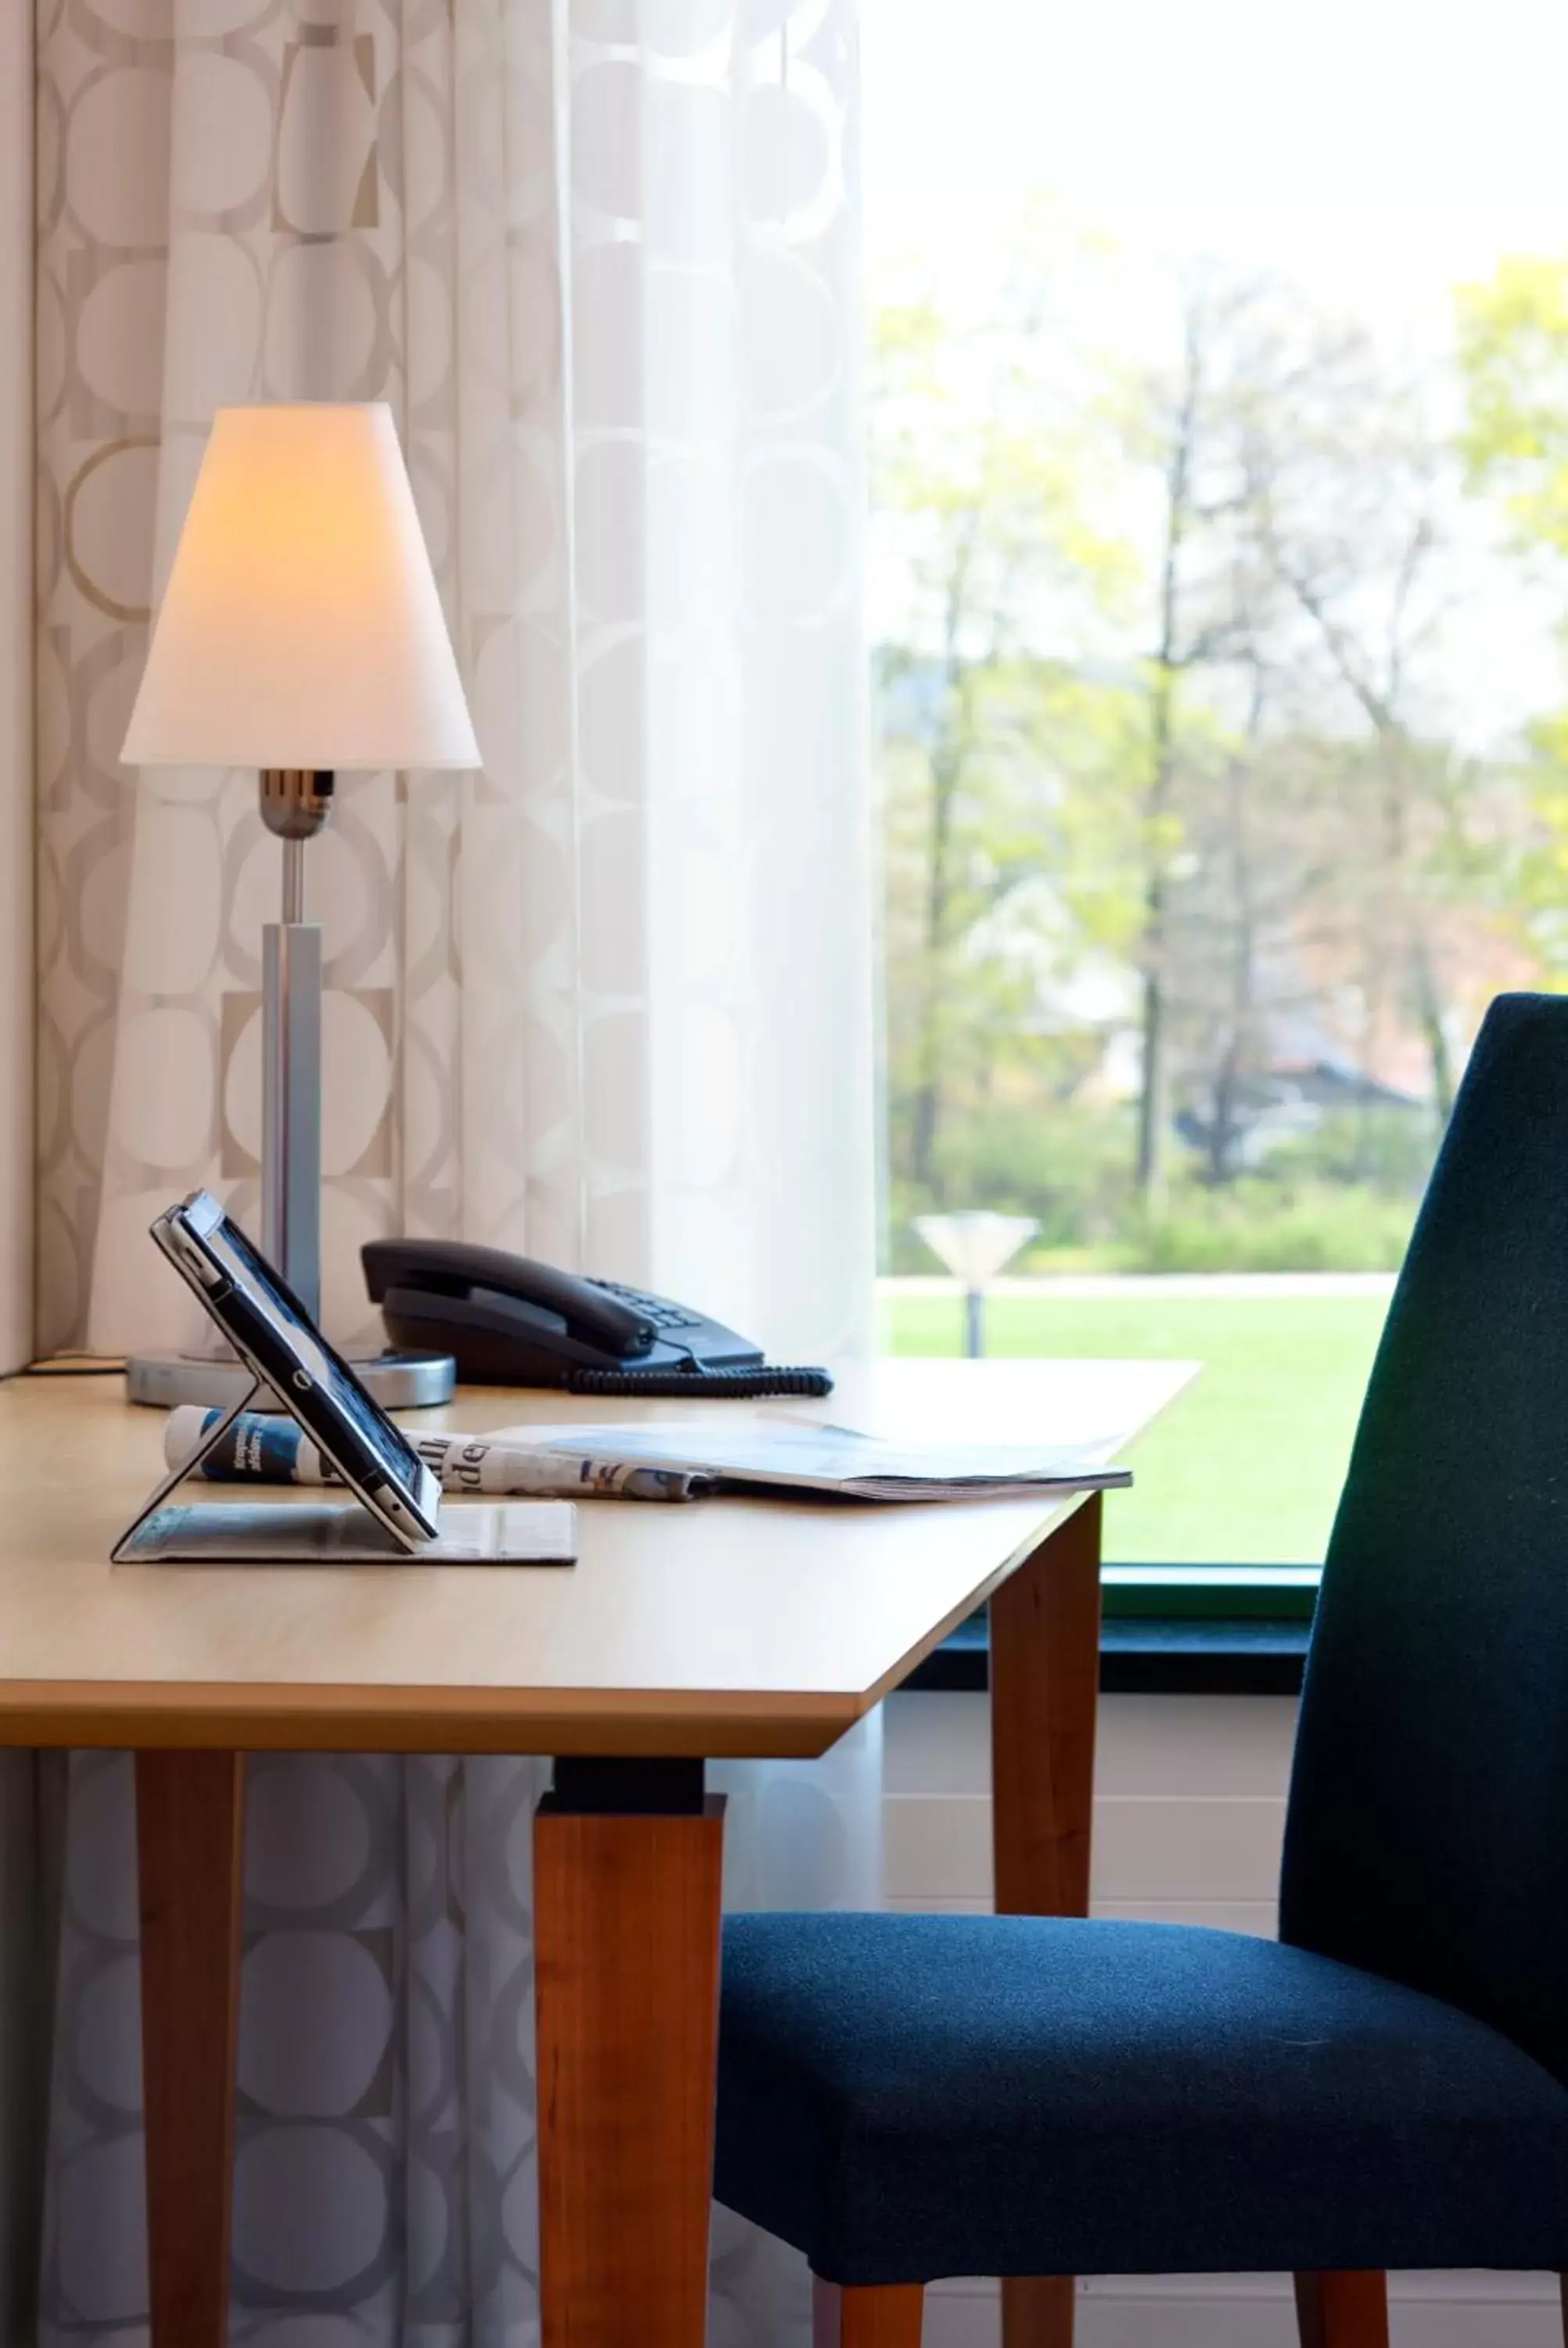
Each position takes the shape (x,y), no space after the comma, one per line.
(1427,1831)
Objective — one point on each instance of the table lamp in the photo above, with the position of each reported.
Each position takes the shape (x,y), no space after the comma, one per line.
(301,633)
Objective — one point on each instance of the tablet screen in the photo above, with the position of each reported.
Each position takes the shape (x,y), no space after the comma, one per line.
(303,1341)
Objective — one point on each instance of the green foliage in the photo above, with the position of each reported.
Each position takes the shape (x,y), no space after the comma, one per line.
(1390,1149)
(1168,804)
(1265,1226)
(1341,1200)
(1067,1168)
(1513,350)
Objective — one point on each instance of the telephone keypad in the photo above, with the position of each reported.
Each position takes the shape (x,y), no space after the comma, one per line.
(652,1308)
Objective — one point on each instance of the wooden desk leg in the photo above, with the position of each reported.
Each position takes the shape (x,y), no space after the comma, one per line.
(189,1813)
(1045,1687)
(626,1957)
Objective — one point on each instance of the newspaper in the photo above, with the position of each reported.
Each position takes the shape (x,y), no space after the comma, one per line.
(262,1447)
(791,1456)
(340,1532)
(673,1460)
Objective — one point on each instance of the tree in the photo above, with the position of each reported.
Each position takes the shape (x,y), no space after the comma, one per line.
(1355,503)
(1347,825)
(1166,752)
(1513,355)
(1513,352)
(1183,424)
(979,480)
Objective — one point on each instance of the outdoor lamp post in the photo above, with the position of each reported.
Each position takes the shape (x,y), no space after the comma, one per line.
(974,1246)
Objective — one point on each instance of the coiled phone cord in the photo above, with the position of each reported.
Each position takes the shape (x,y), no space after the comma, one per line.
(694,1385)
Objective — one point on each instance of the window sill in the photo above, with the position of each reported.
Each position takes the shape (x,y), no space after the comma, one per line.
(1143,1655)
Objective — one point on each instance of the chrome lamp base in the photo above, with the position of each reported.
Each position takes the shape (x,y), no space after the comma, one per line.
(396,1380)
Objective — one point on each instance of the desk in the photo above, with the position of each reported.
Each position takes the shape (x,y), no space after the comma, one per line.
(722,1629)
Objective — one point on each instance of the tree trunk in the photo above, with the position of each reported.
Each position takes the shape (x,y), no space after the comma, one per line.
(1154,1087)
(1430,1014)
(1425,997)
(947,756)
(927,1121)
(1224,1126)
(1223,1121)
(1153,1096)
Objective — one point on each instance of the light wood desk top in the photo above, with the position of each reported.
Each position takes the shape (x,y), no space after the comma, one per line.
(718,1627)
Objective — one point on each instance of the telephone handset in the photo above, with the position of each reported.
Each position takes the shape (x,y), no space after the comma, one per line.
(508,1321)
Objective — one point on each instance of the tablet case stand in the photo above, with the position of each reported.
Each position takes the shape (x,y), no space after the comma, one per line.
(210,1439)
(212,1530)
(338,1529)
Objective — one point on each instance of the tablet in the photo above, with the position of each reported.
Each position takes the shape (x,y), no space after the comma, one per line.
(273,1335)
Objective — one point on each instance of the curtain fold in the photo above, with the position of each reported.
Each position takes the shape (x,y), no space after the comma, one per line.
(609,999)
(606,1002)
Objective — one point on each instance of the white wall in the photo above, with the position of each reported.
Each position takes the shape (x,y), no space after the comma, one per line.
(1189,1809)
(15,682)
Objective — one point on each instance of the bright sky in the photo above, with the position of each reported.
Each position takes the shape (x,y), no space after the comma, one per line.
(1377,151)
(1381,149)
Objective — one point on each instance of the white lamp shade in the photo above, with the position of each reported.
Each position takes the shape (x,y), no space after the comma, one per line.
(301,626)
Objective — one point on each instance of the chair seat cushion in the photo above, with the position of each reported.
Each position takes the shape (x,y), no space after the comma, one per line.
(905,2097)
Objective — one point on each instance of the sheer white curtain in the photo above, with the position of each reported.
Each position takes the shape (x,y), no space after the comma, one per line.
(606,1002)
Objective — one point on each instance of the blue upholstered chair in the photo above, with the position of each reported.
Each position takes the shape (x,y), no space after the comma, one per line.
(906,2097)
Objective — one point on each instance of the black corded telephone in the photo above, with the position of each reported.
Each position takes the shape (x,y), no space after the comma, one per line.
(513,1323)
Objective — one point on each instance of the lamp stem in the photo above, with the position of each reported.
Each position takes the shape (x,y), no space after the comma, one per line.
(293,880)
(295,804)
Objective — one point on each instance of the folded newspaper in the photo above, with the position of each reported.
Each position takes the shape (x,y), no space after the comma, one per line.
(263,1448)
(675,1460)
(795,1457)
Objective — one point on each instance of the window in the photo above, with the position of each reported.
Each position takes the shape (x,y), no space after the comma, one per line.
(1219,388)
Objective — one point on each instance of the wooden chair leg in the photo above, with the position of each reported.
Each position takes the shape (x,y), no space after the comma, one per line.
(1045,1678)
(887,2317)
(1343,2311)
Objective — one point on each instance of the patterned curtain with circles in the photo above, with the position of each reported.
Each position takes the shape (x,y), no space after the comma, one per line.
(608,1002)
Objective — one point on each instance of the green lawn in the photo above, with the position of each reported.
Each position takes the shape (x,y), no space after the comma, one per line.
(1246,1464)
